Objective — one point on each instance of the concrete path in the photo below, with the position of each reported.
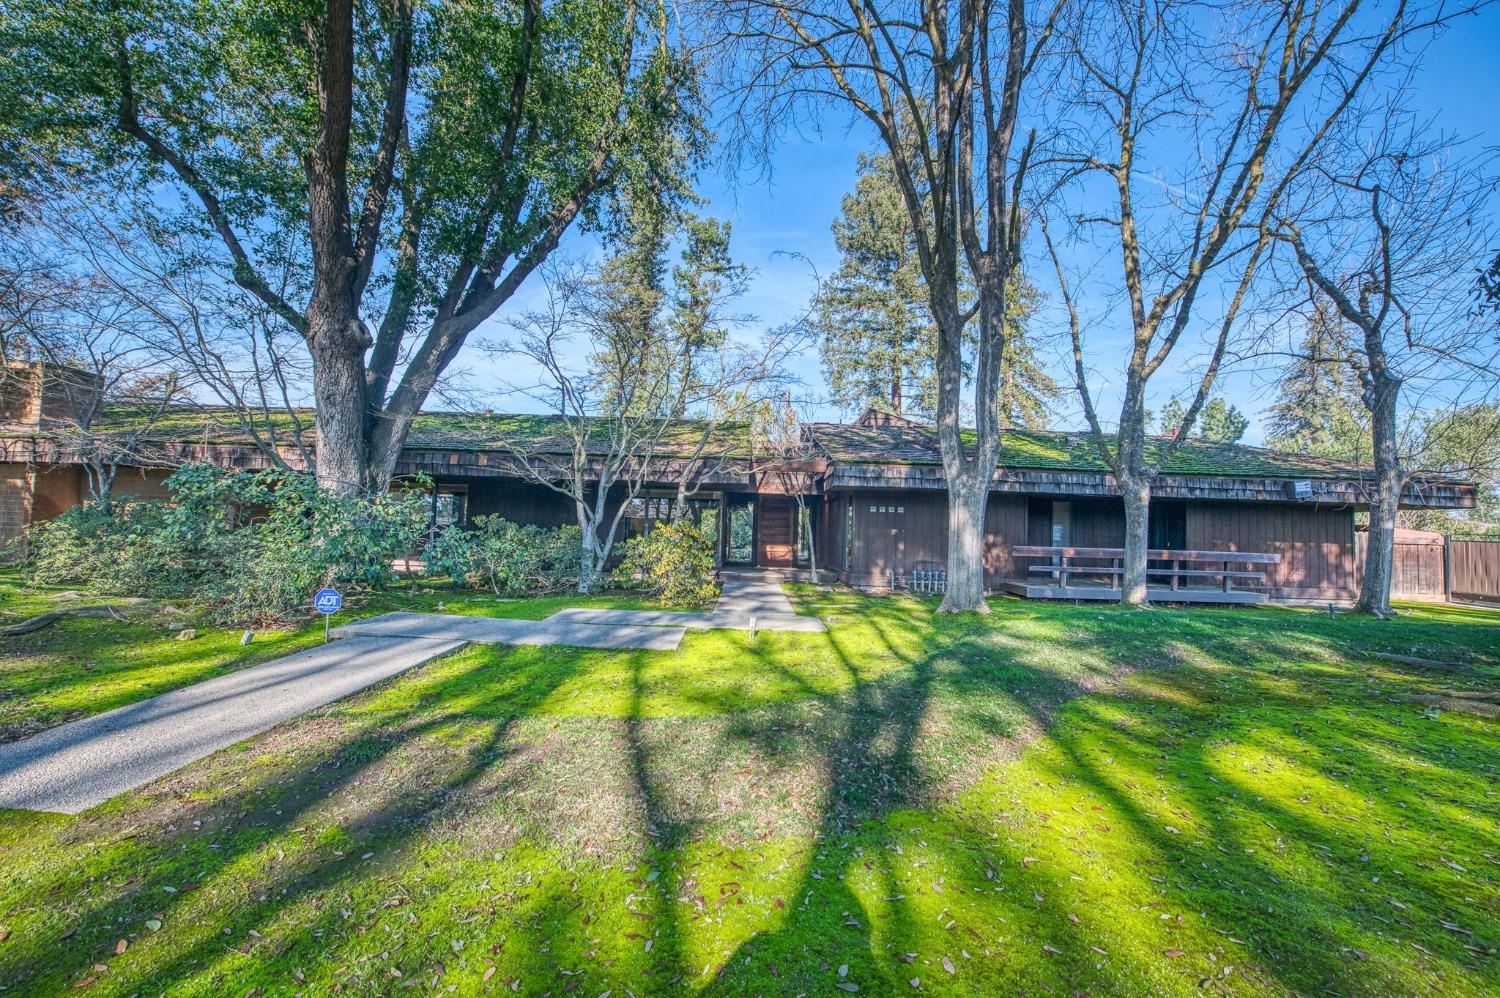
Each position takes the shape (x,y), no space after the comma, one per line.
(555,630)
(745,596)
(77,765)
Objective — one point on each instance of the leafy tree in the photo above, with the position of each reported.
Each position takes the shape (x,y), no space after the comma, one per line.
(1219,422)
(878,339)
(1464,441)
(1318,409)
(872,317)
(381,175)
(1222,423)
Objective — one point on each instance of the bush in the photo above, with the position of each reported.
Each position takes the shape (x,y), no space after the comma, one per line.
(674,563)
(248,547)
(507,558)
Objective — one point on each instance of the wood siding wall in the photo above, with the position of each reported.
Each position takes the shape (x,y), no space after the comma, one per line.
(1316,544)
(519,502)
(907,532)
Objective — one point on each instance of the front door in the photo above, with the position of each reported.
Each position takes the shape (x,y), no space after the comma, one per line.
(775,543)
(1166,528)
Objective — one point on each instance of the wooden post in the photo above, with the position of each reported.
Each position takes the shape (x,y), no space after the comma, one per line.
(1447,568)
(1227,579)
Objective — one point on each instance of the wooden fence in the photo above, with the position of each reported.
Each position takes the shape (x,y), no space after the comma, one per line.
(1439,568)
(1474,570)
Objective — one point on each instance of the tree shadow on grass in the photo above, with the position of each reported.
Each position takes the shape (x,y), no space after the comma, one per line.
(296,832)
(820,933)
(905,852)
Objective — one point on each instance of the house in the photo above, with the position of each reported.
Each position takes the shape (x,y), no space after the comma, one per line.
(873,490)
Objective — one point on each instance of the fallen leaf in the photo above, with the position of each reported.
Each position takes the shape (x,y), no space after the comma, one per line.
(1049,948)
(948,965)
(1173,953)
(121,946)
(846,985)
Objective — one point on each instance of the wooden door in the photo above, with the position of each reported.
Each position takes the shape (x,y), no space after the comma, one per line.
(776,516)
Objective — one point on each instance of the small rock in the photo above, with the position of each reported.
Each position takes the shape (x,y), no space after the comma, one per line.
(247,637)
(186,634)
(176,625)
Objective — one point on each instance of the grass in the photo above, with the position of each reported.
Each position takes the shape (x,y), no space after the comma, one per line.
(1054,798)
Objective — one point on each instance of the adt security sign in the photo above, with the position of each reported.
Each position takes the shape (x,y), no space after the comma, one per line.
(327,602)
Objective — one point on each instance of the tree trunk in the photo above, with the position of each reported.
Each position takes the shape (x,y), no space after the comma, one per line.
(966,510)
(1375,587)
(1136,493)
(812,548)
(339,387)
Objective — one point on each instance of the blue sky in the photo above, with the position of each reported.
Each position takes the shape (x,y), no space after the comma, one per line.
(781,220)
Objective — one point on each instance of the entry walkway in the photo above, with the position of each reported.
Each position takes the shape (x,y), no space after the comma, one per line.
(75,766)
(72,767)
(747,597)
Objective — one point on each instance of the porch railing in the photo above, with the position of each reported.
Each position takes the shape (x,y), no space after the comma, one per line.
(1175,566)
(930,581)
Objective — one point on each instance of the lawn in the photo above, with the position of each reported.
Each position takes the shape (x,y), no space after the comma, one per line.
(81,666)
(1081,800)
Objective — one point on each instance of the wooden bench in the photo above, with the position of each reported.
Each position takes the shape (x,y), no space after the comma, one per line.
(1065,563)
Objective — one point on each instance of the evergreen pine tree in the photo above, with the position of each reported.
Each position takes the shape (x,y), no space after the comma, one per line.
(1318,408)
(877,337)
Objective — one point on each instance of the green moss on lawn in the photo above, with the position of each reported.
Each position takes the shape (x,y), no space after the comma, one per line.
(81,666)
(1054,798)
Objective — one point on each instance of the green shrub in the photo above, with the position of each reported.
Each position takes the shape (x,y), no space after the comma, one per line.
(247,547)
(507,558)
(674,563)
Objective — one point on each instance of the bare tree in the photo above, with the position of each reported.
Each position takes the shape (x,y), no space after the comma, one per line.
(100,388)
(624,416)
(1187,123)
(222,344)
(1386,229)
(943,86)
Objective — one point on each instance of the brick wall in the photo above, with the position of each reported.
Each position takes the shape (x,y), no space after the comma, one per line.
(58,488)
(15,500)
(141,483)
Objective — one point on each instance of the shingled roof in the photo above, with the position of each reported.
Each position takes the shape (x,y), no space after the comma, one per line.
(1058,451)
(886,442)
(456,431)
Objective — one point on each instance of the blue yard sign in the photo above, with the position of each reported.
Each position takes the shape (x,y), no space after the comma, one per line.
(327,602)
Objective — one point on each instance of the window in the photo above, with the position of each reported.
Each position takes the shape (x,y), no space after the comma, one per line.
(1062,524)
(449,507)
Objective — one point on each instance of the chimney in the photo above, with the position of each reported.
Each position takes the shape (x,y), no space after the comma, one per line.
(40,396)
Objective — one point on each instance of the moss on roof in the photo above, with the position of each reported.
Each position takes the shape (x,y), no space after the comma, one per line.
(843,442)
(430,430)
(1058,451)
